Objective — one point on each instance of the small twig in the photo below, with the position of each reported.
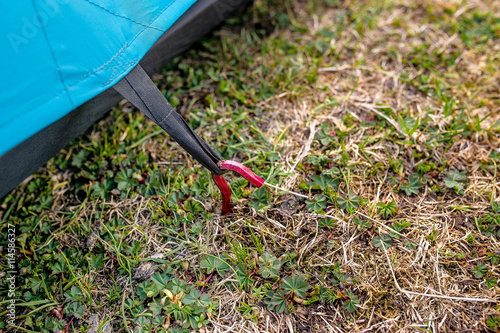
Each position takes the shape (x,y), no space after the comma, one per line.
(185,231)
(333,329)
(380,114)
(309,244)
(109,254)
(239,220)
(383,225)
(138,211)
(333,69)
(307,146)
(200,202)
(67,326)
(282,189)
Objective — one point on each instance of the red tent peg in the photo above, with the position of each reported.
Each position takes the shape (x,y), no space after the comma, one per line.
(248,175)
(224,187)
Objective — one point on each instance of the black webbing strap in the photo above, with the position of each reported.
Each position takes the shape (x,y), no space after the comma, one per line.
(138,88)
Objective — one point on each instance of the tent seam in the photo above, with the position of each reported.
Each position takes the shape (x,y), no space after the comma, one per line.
(135,61)
(124,17)
(165,118)
(102,67)
(115,68)
(115,76)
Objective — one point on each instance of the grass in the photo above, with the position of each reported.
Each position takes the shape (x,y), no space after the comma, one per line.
(384,112)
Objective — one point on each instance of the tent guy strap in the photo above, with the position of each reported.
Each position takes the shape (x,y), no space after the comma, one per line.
(138,88)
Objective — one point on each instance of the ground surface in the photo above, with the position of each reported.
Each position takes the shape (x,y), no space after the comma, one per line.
(385,112)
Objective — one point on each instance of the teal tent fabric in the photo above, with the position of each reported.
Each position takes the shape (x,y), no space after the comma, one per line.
(58,54)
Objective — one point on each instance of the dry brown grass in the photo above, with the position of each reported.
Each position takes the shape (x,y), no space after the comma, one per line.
(401,290)
(428,286)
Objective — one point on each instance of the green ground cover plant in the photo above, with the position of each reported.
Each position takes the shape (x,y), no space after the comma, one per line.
(385,113)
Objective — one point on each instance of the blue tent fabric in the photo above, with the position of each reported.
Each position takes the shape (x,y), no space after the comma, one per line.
(58,54)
